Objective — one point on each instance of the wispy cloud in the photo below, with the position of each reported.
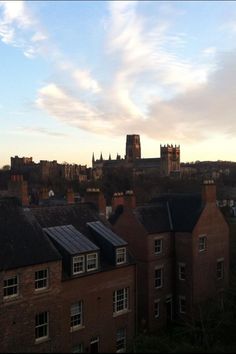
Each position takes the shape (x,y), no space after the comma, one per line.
(19,28)
(40,131)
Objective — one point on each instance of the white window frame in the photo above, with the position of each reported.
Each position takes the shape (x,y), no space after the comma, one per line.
(121,255)
(40,325)
(7,287)
(202,245)
(220,261)
(95,257)
(161,269)
(120,300)
(43,280)
(76,316)
(78,264)
(158,248)
(121,340)
(79,348)
(181,297)
(180,266)
(157,308)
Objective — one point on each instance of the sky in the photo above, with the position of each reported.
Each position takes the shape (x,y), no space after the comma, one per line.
(77,76)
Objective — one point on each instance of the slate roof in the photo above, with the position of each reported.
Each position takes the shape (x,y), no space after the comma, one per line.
(70,239)
(154,218)
(185,209)
(167,212)
(106,233)
(22,241)
(75,214)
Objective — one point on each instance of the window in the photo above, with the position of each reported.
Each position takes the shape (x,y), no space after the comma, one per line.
(41,279)
(158,245)
(120,300)
(41,326)
(121,340)
(220,268)
(202,243)
(157,308)
(182,304)
(11,287)
(76,316)
(182,271)
(92,261)
(78,348)
(158,277)
(78,264)
(120,255)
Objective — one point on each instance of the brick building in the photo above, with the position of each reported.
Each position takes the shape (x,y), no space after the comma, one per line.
(181,245)
(67,281)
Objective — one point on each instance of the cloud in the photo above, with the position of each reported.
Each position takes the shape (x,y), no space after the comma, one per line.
(19,28)
(85,81)
(41,131)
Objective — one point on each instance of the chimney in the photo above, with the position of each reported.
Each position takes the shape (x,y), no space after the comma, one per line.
(95,196)
(209,191)
(17,187)
(130,200)
(43,194)
(117,199)
(70,196)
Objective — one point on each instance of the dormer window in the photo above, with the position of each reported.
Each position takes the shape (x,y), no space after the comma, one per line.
(121,255)
(92,261)
(78,265)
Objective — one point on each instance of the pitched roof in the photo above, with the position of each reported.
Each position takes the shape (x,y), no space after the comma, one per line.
(154,218)
(73,214)
(185,210)
(22,241)
(167,212)
(106,233)
(70,239)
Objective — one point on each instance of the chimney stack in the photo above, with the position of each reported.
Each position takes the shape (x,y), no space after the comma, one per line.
(209,191)
(95,196)
(70,196)
(130,200)
(117,199)
(17,187)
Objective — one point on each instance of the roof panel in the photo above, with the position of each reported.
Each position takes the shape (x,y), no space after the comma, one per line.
(71,239)
(105,232)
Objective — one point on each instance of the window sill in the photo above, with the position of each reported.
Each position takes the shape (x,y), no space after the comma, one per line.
(123,312)
(77,328)
(42,340)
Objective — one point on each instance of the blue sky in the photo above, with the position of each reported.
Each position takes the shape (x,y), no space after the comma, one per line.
(77,76)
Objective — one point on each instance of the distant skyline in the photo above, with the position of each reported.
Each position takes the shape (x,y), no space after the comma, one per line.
(77,76)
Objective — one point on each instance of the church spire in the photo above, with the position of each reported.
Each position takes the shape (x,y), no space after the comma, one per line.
(109,156)
(93,159)
(101,158)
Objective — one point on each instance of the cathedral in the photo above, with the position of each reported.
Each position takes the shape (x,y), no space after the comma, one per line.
(168,164)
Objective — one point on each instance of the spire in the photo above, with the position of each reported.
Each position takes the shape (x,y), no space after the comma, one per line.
(109,156)
(93,159)
(101,158)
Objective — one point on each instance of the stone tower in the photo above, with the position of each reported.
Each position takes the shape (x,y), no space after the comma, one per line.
(133,147)
(170,159)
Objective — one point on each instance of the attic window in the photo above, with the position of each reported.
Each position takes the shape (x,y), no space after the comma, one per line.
(121,255)
(78,264)
(92,261)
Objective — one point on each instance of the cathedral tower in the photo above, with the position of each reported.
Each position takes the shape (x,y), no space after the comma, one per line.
(133,147)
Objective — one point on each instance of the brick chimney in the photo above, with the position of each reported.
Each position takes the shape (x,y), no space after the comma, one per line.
(130,200)
(95,196)
(117,199)
(43,194)
(209,191)
(70,196)
(17,187)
